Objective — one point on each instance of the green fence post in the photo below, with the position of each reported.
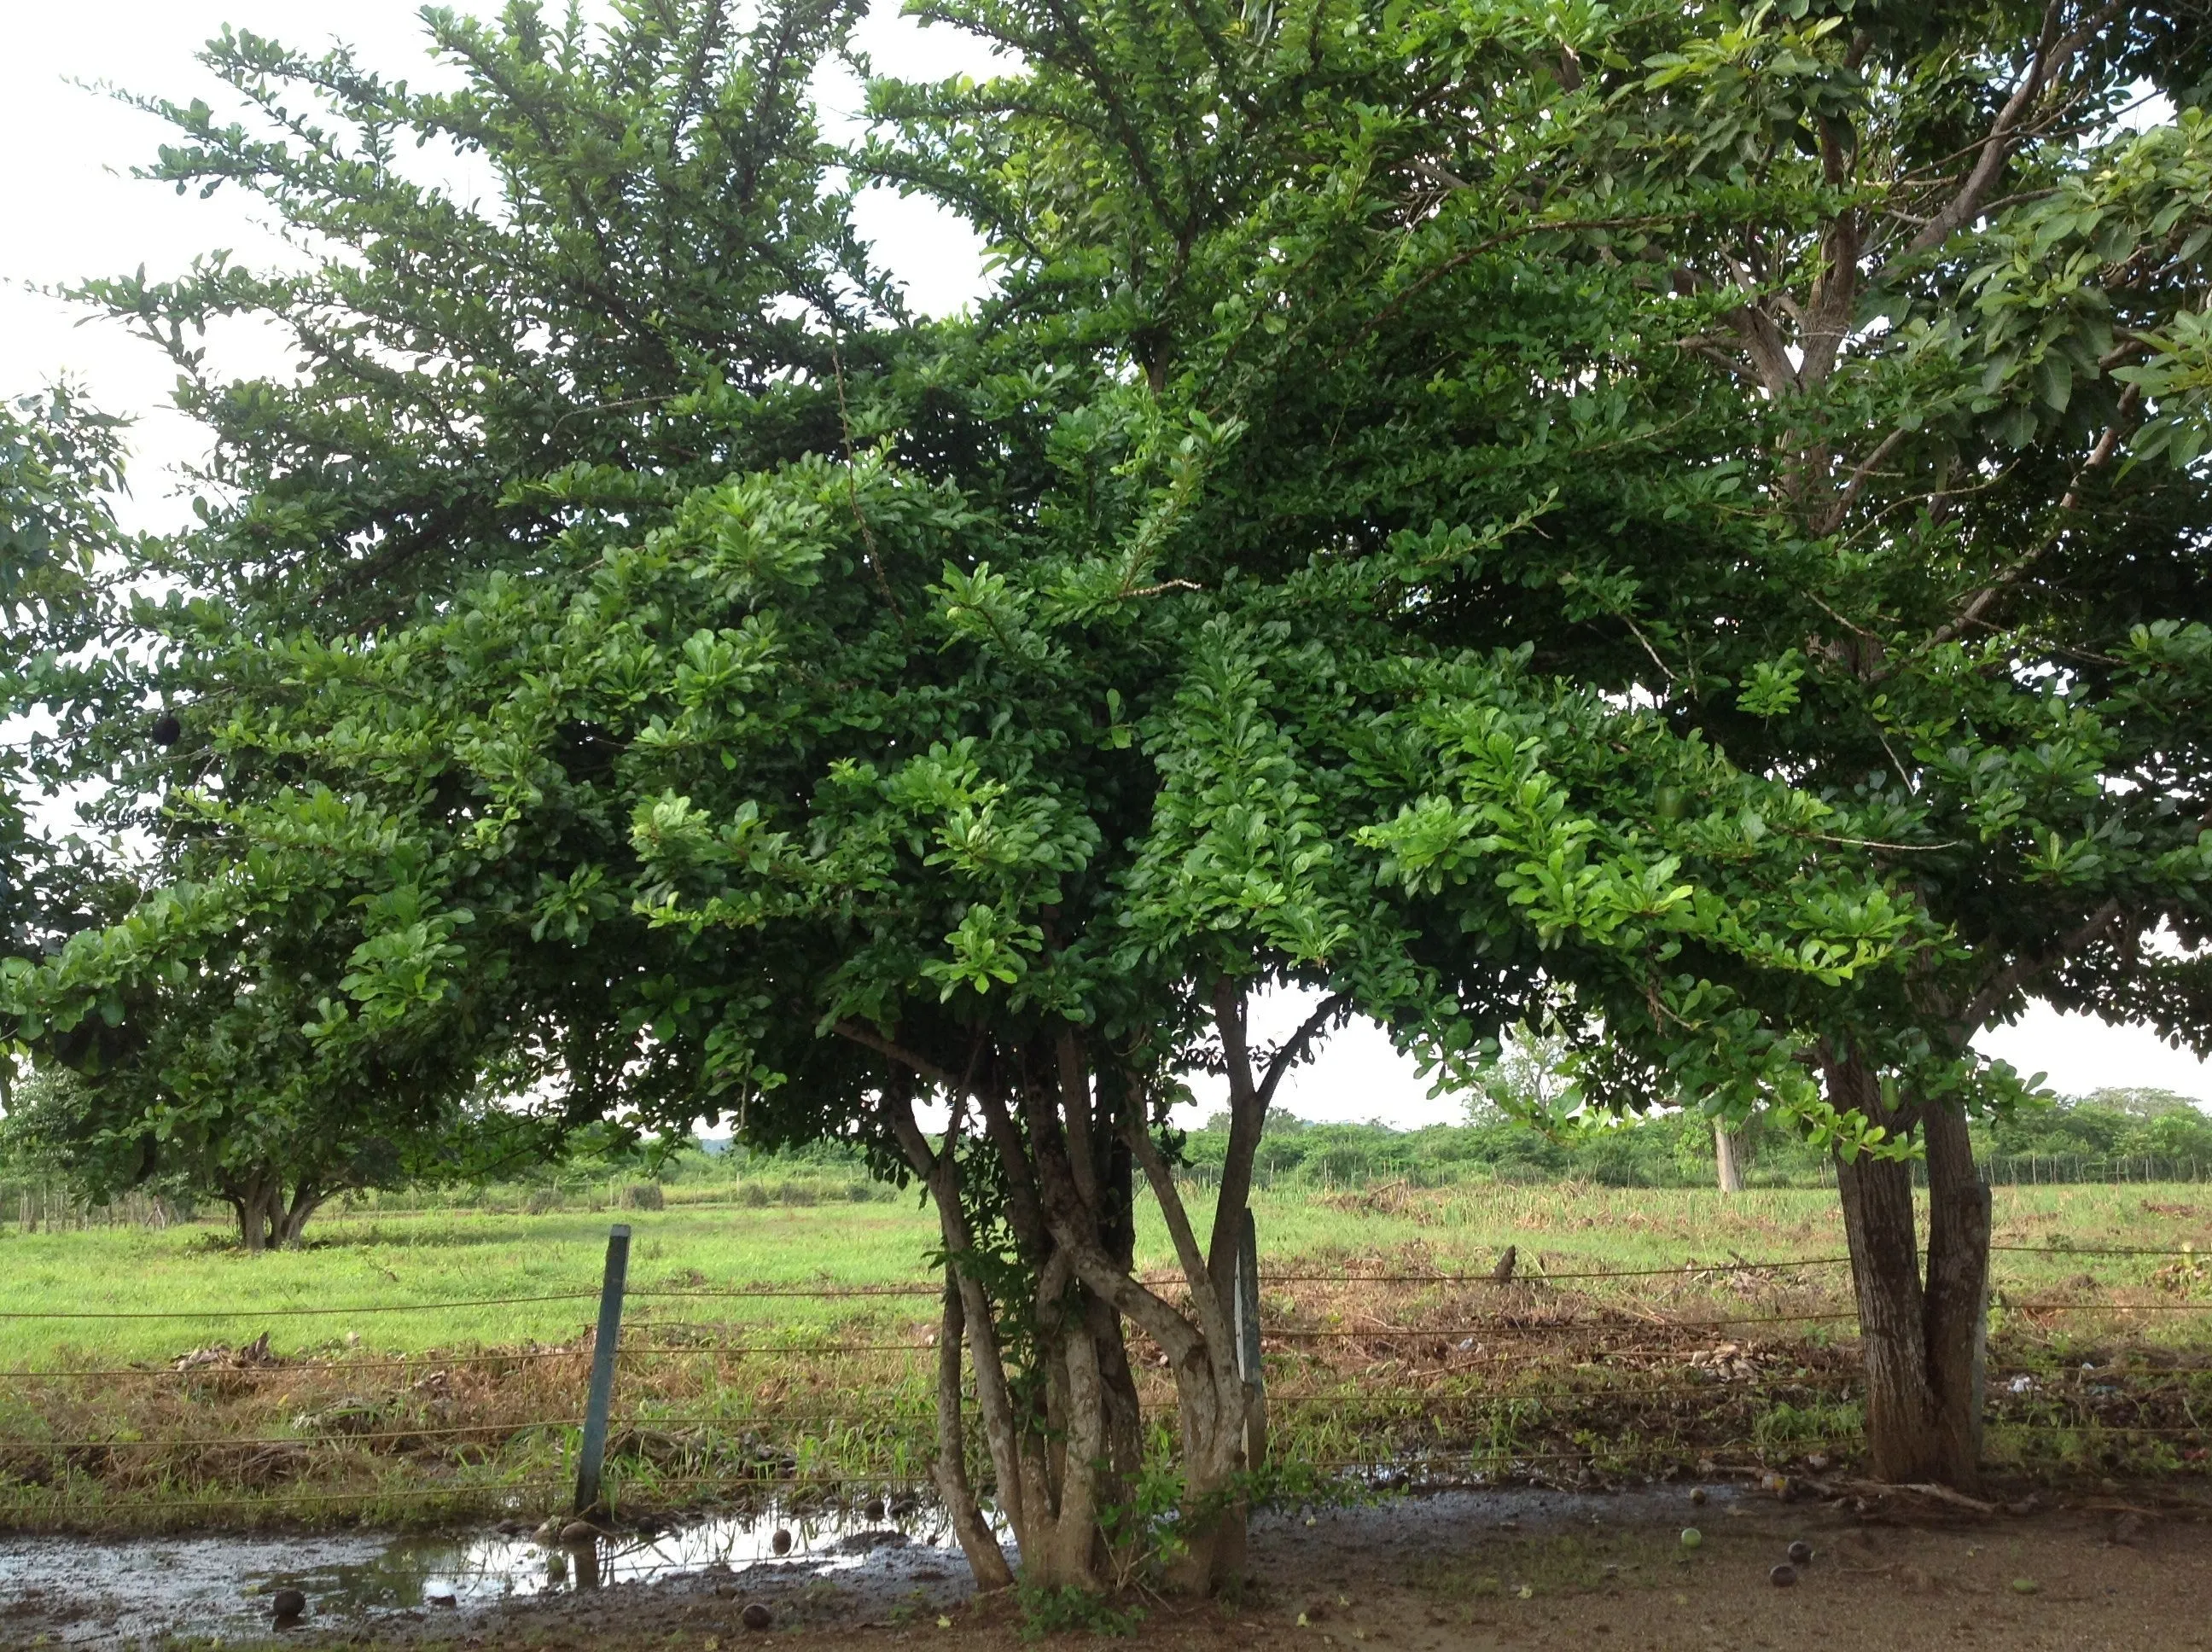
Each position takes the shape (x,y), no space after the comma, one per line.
(592,1456)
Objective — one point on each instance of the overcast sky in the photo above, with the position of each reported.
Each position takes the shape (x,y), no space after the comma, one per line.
(71,210)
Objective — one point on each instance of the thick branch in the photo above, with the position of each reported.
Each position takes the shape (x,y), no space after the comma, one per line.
(1293,1049)
(1075,1110)
(861,1034)
(1832,518)
(2051,56)
(2020,971)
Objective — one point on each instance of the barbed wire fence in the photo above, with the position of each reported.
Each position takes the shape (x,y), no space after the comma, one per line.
(1439,1390)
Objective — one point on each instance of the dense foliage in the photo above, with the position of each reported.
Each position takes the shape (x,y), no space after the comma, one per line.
(1683,529)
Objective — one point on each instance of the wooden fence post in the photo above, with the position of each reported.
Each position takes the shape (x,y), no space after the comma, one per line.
(592,1458)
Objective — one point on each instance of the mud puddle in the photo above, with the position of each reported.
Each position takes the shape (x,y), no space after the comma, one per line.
(91,1592)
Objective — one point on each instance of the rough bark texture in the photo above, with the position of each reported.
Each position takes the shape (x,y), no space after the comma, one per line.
(1066,1437)
(1064,1444)
(1922,1342)
(984,1557)
(1731,1178)
(1956,1311)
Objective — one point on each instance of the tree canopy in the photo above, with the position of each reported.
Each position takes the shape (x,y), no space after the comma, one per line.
(1682,529)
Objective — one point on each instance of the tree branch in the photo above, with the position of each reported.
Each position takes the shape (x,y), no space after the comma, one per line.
(1832,518)
(2016,975)
(2051,56)
(875,1041)
(1294,1048)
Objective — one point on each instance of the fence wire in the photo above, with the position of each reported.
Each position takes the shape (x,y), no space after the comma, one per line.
(896,1419)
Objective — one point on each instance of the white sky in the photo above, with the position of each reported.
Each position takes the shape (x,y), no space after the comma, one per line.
(73,211)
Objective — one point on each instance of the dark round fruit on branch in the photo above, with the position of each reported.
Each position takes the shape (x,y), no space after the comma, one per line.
(780,1542)
(1782,1575)
(756,1616)
(167,730)
(1801,1551)
(287,1605)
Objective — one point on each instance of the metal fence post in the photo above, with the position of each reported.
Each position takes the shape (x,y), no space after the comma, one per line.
(1248,1343)
(593,1457)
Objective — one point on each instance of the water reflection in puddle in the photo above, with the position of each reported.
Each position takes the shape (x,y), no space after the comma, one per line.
(81,1592)
(441,1571)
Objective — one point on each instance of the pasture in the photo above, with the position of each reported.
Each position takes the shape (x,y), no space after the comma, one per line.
(424,1366)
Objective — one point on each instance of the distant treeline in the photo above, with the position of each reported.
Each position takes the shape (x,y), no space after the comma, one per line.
(2112,1135)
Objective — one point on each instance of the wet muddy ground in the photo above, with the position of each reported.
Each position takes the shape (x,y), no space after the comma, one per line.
(1459,1570)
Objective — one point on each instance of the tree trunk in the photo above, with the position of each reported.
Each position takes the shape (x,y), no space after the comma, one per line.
(984,1557)
(1724,1159)
(254,1199)
(1214,1402)
(289,1223)
(1922,1344)
(1957,1309)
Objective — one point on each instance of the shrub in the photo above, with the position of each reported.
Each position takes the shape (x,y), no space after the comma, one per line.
(541,1200)
(642,1196)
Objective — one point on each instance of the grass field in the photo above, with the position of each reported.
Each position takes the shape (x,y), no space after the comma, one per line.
(355,1411)
(218,1293)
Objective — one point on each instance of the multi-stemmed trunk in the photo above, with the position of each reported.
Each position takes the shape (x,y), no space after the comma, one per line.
(266,1219)
(1922,1334)
(1064,1437)
(1065,1444)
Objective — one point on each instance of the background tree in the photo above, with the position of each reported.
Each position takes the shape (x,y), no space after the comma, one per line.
(663,278)
(61,467)
(1939,554)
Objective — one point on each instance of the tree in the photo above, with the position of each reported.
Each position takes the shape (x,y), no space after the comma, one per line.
(1528,1077)
(286,1031)
(656,300)
(60,467)
(1892,361)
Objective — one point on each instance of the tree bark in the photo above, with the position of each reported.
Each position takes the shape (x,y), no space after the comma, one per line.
(1921,1343)
(1731,1179)
(984,1557)
(289,1224)
(254,1198)
(1956,1312)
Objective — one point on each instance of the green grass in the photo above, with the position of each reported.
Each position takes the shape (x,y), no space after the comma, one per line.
(723,1395)
(371,1263)
(228,1295)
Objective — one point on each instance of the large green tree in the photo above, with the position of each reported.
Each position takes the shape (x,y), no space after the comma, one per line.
(662,280)
(1827,378)
(1904,395)
(996,755)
